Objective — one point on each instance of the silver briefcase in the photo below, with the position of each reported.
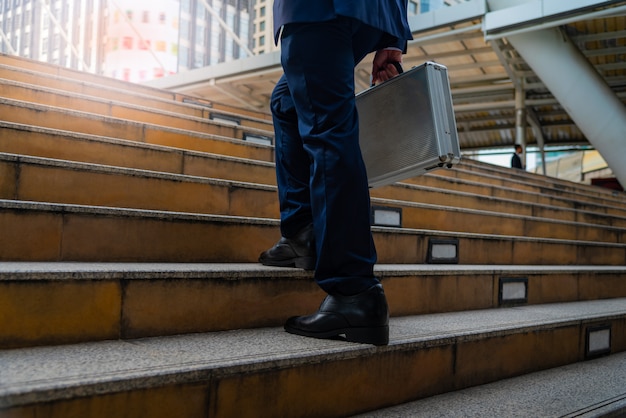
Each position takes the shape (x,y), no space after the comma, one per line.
(407,125)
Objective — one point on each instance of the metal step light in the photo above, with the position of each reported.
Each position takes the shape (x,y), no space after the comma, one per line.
(443,251)
(257,139)
(513,290)
(228,120)
(598,342)
(386,216)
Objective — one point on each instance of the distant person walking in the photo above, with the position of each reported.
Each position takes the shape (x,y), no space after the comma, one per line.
(516,160)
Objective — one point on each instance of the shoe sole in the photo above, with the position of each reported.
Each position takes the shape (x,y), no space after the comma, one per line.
(363,335)
(306,263)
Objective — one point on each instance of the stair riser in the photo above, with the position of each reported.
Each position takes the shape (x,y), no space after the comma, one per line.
(50,75)
(494,198)
(506,203)
(131,131)
(74,148)
(490,223)
(75,184)
(68,86)
(543,183)
(62,310)
(122,110)
(395,378)
(82,76)
(31,235)
(115,189)
(93,97)
(501,187)
(70,236)
(318,389)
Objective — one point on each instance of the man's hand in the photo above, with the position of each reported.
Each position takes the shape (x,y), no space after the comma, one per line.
(382,66)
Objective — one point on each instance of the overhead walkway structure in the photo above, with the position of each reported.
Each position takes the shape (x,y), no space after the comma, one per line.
(534,72)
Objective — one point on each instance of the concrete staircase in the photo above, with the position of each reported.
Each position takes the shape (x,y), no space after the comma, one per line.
(131,220)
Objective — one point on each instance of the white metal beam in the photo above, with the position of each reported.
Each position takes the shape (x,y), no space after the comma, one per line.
(7,42)
(576,84)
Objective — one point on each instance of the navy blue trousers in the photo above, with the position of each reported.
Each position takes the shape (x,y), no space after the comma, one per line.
(319,168)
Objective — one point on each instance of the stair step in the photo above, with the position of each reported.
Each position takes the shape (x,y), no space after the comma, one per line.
(547,183)
(508,202)
(227,142)
(435,180)
(28,140)
(593,388)
(241,372)
(168,113)
(484,182)
(517,192)
(34,231)
(450,218)
(172,102)
(79,147)
(50,74)
(49,143)
(58,181)
(263,172)
(63,232)
(98,301)
(28,65)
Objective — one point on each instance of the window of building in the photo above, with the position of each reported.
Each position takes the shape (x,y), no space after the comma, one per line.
(185,6)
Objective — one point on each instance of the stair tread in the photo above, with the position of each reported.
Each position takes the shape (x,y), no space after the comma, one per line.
(61,372)
(12,270)
(585,389)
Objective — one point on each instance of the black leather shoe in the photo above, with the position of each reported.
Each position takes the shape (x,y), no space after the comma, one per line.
(362,318)
(298,251)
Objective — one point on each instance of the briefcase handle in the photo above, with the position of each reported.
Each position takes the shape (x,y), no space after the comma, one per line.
(398,68)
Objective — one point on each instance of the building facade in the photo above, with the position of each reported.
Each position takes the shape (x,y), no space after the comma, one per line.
(63,32)
(214,31)
(134,40)
(263,24)
(141,41)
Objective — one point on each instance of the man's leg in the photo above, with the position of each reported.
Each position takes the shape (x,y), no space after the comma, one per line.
(319,61)
(296,248)
(292,163)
